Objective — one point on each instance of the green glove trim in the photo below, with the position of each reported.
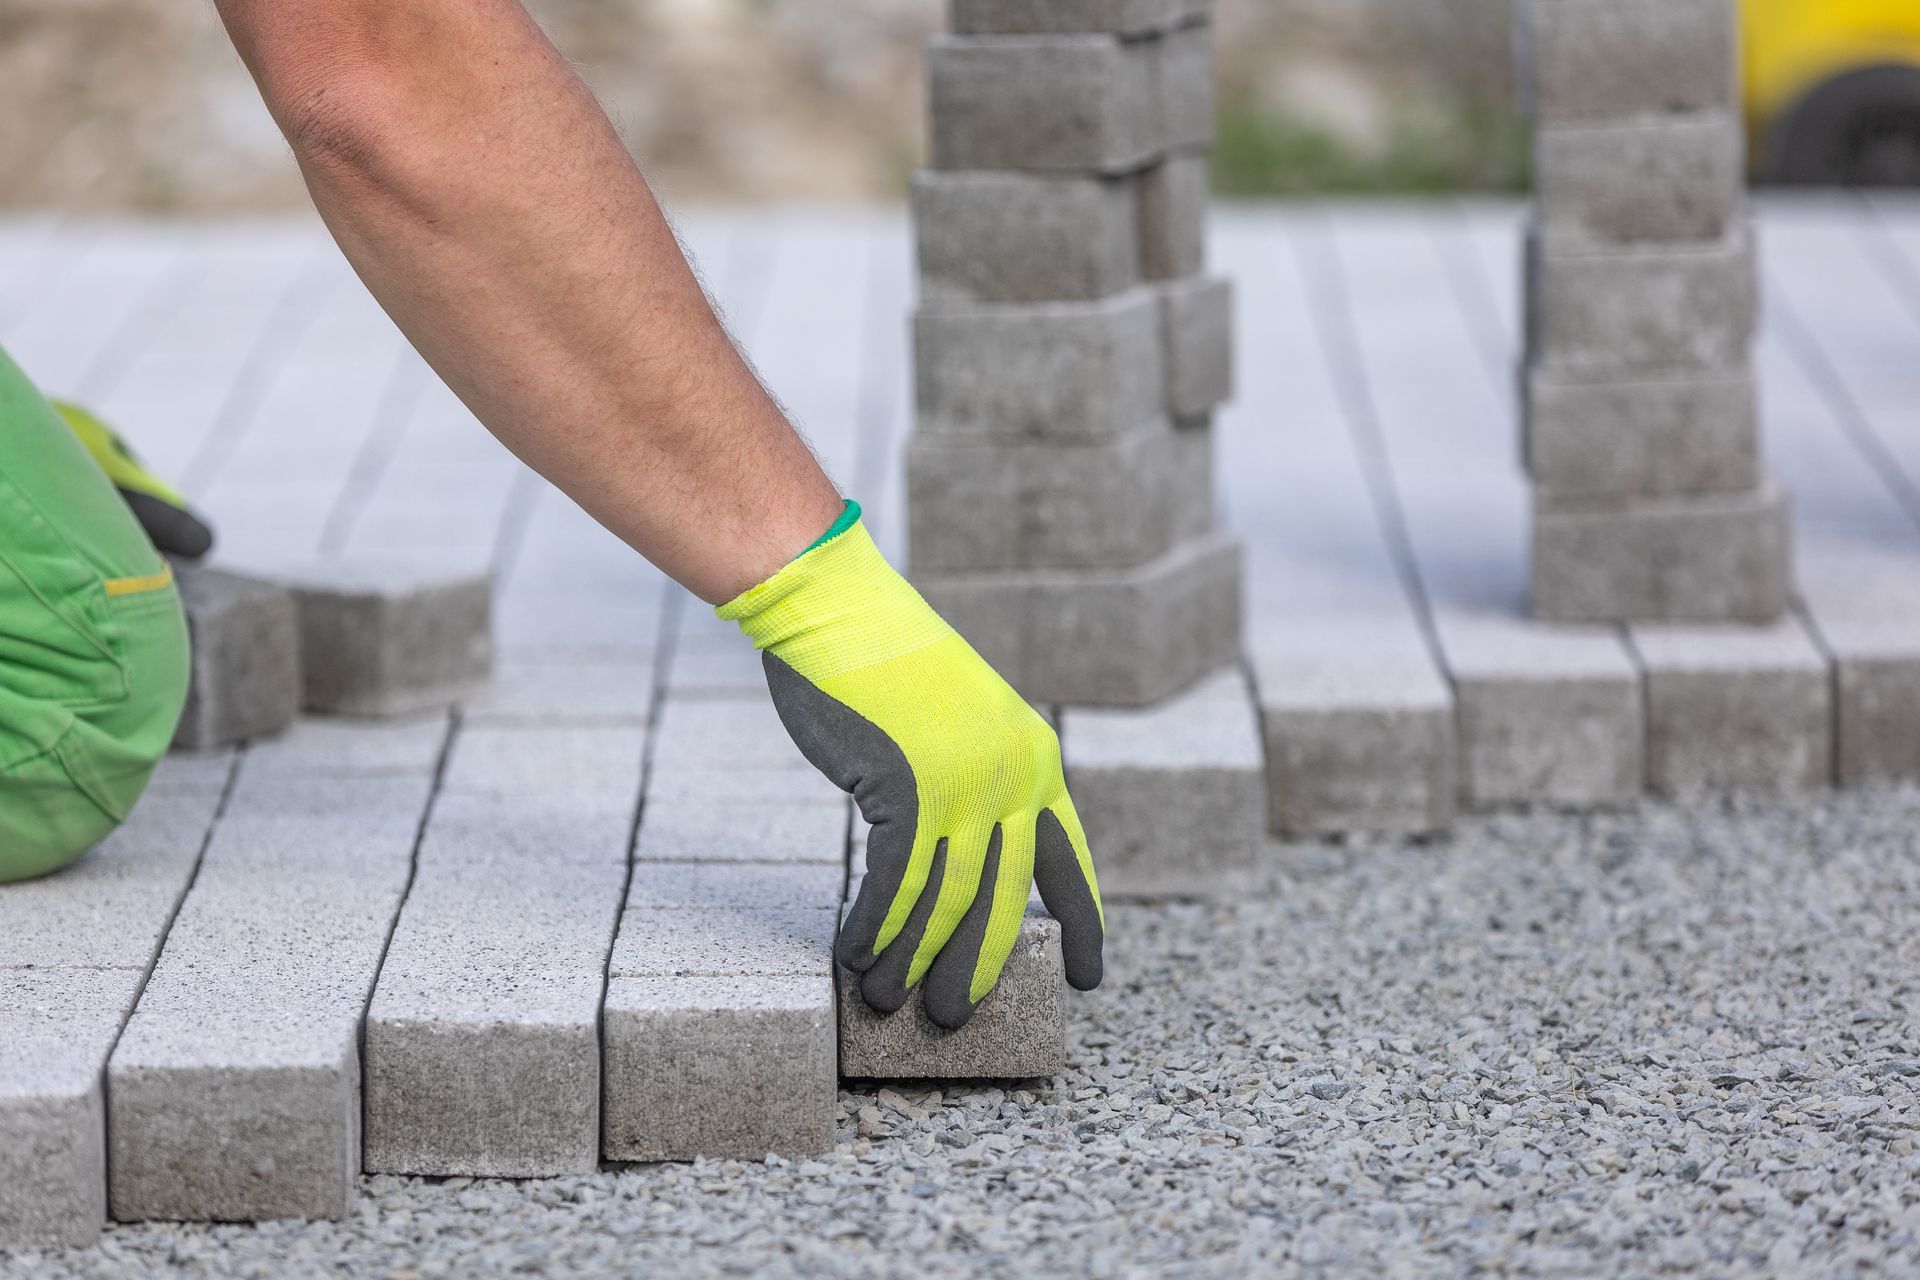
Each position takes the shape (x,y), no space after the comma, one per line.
(848,515)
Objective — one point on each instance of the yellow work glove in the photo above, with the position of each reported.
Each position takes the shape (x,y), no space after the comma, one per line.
(960,778)
(170,523)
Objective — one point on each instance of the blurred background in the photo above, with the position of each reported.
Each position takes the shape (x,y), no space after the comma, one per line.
(141,106)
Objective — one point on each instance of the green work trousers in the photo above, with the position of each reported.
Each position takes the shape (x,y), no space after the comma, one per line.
(93,644)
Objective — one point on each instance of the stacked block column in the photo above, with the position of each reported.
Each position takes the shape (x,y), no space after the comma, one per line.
(1651,503)
(1070,350)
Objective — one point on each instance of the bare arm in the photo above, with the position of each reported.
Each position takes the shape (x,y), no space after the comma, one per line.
(485,199)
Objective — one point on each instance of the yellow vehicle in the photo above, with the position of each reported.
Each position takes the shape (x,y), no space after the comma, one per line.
(1833,90)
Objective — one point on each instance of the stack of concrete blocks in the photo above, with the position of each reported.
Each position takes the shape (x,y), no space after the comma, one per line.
(1070,349)
(1651,503)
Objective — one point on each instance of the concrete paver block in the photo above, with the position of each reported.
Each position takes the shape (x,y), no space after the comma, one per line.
(1017,1032)
(582,690)
(1181,72)
(1652,435)
(1692,305)
(1173,217)
(724,941)
(1586,60)
(1062,17)
(1649,178)
(506,1088)
(56,1029)
(386,637)
(592,766)
(1707,558)
(975,504)
(801,885)
(1108,637)
(319,748)
(1736,707)
(234,1092)
(1016,237)
(1878,720)
(675,830)
(1052,370)
(1078,103)
(718,1066)
(1546,714)
(1173,797)
(1359,726)
(482,1047)
(523,829)
(245,647)
(1197,319)
(1191,487)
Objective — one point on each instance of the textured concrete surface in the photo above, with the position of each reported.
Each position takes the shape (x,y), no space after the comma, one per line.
(1644,435)
(1603,307)
(1646,177)
(1197,319)
(979,504)
(1587,61)
(1020,237)
(391,636)
(1016,1032)
(1074,103)
(1693,558)
(1173,798)
(1111,637)
(1736,708)
(1047,370)
(245,647)
(482,1048)
(234,1092)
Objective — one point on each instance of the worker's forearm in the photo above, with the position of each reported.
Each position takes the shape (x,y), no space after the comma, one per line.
(487,202)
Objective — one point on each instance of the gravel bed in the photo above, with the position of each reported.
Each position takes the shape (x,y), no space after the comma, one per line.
(1678,1040)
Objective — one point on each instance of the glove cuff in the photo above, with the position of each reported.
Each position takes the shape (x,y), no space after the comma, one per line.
(837,607)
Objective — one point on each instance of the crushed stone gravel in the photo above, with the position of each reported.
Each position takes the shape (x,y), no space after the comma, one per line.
(1678,1040)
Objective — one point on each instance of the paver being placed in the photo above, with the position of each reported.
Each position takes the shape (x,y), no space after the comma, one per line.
(74,951)
(482,1043)
(1017,1032)
(390,636)
(1701,558)
(234,1093)
(1075,103)
(979,504)
(1736,707)
(245,647)
(1173,797)
(1046,370)
(1022,237)
(1101,637)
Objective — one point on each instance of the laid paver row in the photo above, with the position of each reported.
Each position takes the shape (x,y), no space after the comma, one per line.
(75,951)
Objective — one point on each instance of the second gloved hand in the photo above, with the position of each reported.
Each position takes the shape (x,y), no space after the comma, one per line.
(960,778)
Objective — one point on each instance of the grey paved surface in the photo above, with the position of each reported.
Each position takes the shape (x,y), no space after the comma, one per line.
(1646,957)
(1679,1040)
